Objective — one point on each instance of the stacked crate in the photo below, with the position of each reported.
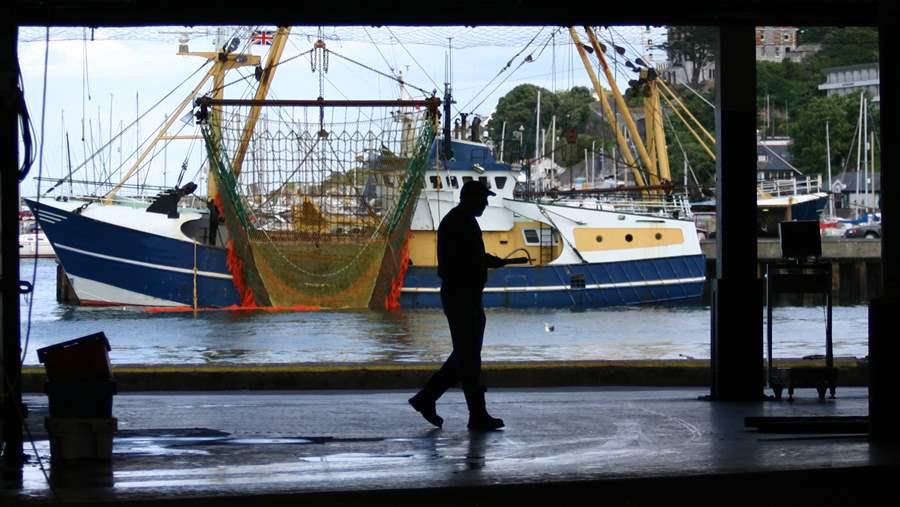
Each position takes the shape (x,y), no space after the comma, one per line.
(80,390)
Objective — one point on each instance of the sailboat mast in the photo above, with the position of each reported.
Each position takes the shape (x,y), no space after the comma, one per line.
(859,141)
(502,139)
(828,164)
(865,147)
(537,129)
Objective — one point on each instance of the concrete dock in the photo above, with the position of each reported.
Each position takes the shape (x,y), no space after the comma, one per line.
(632,446)
(363,376)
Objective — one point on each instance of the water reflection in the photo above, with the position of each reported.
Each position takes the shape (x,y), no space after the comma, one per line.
(662,332)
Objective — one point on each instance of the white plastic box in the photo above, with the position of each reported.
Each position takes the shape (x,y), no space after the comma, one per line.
(73,439)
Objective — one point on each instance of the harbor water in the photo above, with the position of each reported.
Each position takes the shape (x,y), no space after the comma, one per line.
(209,337)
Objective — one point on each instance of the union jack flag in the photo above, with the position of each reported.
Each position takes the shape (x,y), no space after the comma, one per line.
(263,38)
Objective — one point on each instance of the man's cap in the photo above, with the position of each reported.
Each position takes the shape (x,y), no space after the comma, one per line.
(474,189)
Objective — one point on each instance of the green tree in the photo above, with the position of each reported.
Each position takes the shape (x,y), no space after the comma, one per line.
(791,91)
(517,109)
(809,149)
(679,137)
(572,109)
(847,46)
(695,44)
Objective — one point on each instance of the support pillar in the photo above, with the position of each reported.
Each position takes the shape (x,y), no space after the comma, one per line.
(10,369)
(884,348)
(737,338)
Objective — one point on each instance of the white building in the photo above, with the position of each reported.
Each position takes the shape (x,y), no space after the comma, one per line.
(852,79)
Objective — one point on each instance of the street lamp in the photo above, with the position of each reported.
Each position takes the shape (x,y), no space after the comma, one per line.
(521,132)
(522,142)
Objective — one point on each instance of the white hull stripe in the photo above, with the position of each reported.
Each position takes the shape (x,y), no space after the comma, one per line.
(208,274)
(50,219)
(547,288)
(45,213)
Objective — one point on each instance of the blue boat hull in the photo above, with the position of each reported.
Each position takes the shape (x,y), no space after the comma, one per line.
(162,269)
(577,285)
(135,262)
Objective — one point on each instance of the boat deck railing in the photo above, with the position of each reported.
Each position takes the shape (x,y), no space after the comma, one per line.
(672,206)
(792,186)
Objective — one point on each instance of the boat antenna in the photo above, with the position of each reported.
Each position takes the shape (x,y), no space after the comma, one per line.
(448,101)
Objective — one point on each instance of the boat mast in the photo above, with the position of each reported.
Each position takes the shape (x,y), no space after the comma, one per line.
(828,164)
(223,61)
(265,82)
(620,101)
(607,109)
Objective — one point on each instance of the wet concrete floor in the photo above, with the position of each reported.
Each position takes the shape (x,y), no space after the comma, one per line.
(343,447)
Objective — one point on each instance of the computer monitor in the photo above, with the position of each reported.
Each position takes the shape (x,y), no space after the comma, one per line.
(800,239)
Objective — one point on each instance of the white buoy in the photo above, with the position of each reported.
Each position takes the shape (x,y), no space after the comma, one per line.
(548,327)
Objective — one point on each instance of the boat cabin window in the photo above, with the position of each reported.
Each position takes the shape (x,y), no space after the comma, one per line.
(452,181)
(485,181)
(435,182)
(538,237)
(500,181)
(466,179)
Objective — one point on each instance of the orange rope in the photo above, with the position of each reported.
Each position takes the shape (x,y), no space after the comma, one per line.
(392,300)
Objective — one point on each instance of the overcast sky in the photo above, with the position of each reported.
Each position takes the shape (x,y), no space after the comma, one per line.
(96,86)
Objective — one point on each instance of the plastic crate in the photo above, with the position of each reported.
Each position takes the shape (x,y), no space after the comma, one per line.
(85,358)
(85,398)
(81,439)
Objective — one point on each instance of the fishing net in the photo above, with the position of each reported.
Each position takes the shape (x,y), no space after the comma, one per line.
(317,196)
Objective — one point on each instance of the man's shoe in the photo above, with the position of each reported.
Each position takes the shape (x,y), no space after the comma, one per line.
(479,419)
(427,409)
(485,423)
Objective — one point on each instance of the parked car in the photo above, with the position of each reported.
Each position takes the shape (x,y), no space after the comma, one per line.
(868,231)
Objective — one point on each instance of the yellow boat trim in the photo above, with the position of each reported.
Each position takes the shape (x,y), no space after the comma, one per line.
(593,239)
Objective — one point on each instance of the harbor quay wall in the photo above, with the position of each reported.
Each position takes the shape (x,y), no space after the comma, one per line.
(852,372)
(855,270)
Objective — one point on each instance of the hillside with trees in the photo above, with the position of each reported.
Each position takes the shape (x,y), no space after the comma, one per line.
(798,109)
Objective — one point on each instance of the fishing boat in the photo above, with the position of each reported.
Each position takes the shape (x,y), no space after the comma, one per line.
(578,256)
(33,242)
(360,233)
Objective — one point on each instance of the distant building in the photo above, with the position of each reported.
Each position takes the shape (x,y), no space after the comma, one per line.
(853,189)
(602,172)
(803,51)
(775,43)
(852,79)
(774,160)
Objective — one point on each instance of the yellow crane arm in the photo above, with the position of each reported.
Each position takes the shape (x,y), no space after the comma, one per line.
(274,56)
(688,111)
(626,113)
(162,132)
(607,110)
(691,129)
(659,133)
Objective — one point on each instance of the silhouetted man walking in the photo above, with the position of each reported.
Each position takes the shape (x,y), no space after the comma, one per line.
(462,266)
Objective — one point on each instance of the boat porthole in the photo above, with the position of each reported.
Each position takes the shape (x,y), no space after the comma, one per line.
(629,238)
(658,236)
(599,239)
